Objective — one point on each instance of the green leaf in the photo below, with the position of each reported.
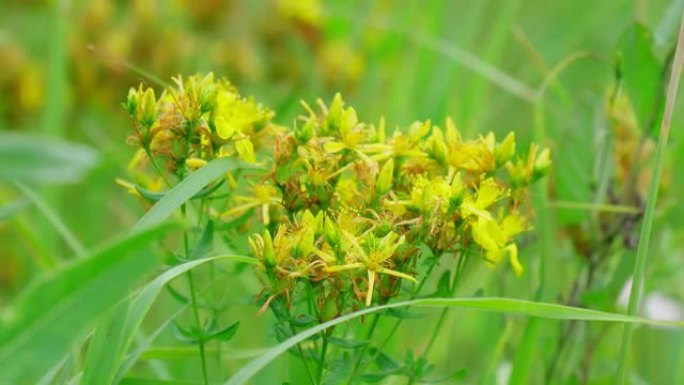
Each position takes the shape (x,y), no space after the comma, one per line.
(385,362)
(56,311)
(205,242)
(372,378)
(186,189)
(189,335)
(499,305)
(111,355)
(35,159)
(225,334)
(444,284)
(641,72)
(155,196)
(458,375)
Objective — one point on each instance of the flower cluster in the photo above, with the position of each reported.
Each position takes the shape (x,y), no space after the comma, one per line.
(354,203)
(194,121)
(346,207)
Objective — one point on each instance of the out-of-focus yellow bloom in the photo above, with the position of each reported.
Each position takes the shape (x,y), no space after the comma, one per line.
(307,11)
(496,238)
(195,163)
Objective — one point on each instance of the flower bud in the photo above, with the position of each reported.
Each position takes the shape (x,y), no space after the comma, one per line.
(208,98)
(195,163)
(457,186)
(542,164)
(437,146)
(149,108)
(332,236)
(132,102)
(335,112)
(505,150)
(262,247)
(304,244)
(349,121)
(269,252)
(384,181)
(418,130)
(303,133)
(308,221)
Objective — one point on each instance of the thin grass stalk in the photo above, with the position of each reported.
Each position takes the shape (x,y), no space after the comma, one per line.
(647,225)
(463,258)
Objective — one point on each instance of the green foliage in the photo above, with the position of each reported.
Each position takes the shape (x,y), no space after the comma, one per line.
(286,210)
(32,343)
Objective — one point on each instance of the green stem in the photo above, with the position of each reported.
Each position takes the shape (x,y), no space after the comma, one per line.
(195,308)
(369,336)
(324,350)
(156,166)
(442,317)
(398,323)
(195,311)
(301,355)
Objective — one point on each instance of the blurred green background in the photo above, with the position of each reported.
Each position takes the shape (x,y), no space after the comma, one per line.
(67,65)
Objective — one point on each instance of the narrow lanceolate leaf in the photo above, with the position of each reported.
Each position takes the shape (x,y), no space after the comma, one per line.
(57,311)
(641,71)
(35,159)
(499,305)
(115,334)
(649,215)
(186,189)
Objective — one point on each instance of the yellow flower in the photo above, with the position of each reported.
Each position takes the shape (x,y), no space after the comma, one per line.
(234,113)
(496,238)
(488,192)
(431,195)
(263,196)
(372,258)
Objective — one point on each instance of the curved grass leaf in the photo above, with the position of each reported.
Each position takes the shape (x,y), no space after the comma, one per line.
(35,159)
(55,312)
(115,335)
(187,189)
(7,210)
(500,305)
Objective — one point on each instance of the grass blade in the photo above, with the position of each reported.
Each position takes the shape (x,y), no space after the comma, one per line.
(59,309)
(115,335)
(35,159)
(186,189)
(54,219)
(647,226)
(500,305)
